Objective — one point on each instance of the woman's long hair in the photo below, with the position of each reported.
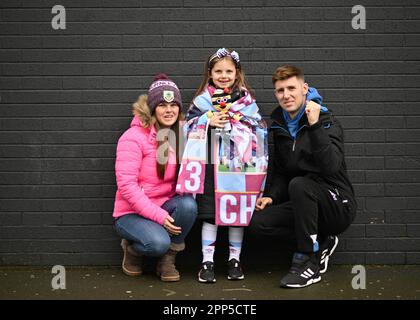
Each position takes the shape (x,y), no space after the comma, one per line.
(142,110)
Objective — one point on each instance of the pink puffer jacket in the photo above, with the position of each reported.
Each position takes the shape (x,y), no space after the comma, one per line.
(139,188)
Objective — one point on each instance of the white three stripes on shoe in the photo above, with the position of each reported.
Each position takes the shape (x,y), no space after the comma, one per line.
(307,273)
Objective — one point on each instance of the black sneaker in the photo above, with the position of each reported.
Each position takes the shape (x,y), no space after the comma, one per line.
(206,273)
(326,251)
(304,272)
(235,270)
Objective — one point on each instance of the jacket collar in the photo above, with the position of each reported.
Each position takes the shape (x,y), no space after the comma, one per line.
(151,131)
(277,116)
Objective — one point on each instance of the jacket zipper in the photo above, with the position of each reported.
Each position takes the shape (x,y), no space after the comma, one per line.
(294,140)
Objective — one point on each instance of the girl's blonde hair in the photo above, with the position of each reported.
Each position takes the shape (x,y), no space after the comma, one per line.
(209,65)
(142,110)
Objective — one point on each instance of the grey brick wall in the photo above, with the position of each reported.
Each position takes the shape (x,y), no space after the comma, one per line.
(66,97)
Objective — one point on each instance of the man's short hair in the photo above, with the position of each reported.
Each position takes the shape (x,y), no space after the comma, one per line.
(287,71)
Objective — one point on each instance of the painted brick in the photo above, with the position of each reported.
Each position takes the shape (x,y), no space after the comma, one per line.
(413,230)
(386,258)
(387,149)
(384,230)
(10,218)
(402,216)
(413,258)
(369,217)
(378,203)
(66,96)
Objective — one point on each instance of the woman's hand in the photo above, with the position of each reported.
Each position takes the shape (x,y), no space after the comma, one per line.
(170,227)
(262,202)
(219,120)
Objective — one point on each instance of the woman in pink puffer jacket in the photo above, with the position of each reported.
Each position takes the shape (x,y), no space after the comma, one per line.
(150,217)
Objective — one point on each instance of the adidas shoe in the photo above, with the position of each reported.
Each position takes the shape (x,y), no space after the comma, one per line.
(304,272)
(235,270)
(326,251)
(206,273)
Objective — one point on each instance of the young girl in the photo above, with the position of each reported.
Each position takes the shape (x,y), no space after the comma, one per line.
(150,217)
(228,184)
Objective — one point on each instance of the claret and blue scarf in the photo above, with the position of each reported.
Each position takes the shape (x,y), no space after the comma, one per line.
(239,156)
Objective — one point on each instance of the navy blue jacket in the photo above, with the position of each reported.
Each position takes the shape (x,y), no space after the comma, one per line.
(317,153)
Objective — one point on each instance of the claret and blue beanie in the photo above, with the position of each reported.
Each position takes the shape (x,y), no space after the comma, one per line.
(163,90)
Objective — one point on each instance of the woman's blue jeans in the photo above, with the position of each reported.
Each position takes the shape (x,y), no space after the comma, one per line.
(149,237)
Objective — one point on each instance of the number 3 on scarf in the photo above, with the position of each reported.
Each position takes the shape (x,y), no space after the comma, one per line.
(189,180)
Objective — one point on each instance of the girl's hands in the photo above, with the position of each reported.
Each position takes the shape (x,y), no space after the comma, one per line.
(218,120)
(170,227)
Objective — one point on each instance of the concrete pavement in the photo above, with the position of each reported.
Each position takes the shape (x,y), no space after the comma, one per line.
(399,282)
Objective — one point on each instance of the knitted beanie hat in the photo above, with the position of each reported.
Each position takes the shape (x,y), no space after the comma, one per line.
(161,90)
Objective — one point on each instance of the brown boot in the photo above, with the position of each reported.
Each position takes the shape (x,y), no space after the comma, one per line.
(131,264)
(165,268)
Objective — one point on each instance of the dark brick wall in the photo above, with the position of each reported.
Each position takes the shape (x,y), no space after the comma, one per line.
(66,97)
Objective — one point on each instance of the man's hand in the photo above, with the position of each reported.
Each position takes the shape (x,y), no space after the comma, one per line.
(170,227)
(262,202)
(312,112)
